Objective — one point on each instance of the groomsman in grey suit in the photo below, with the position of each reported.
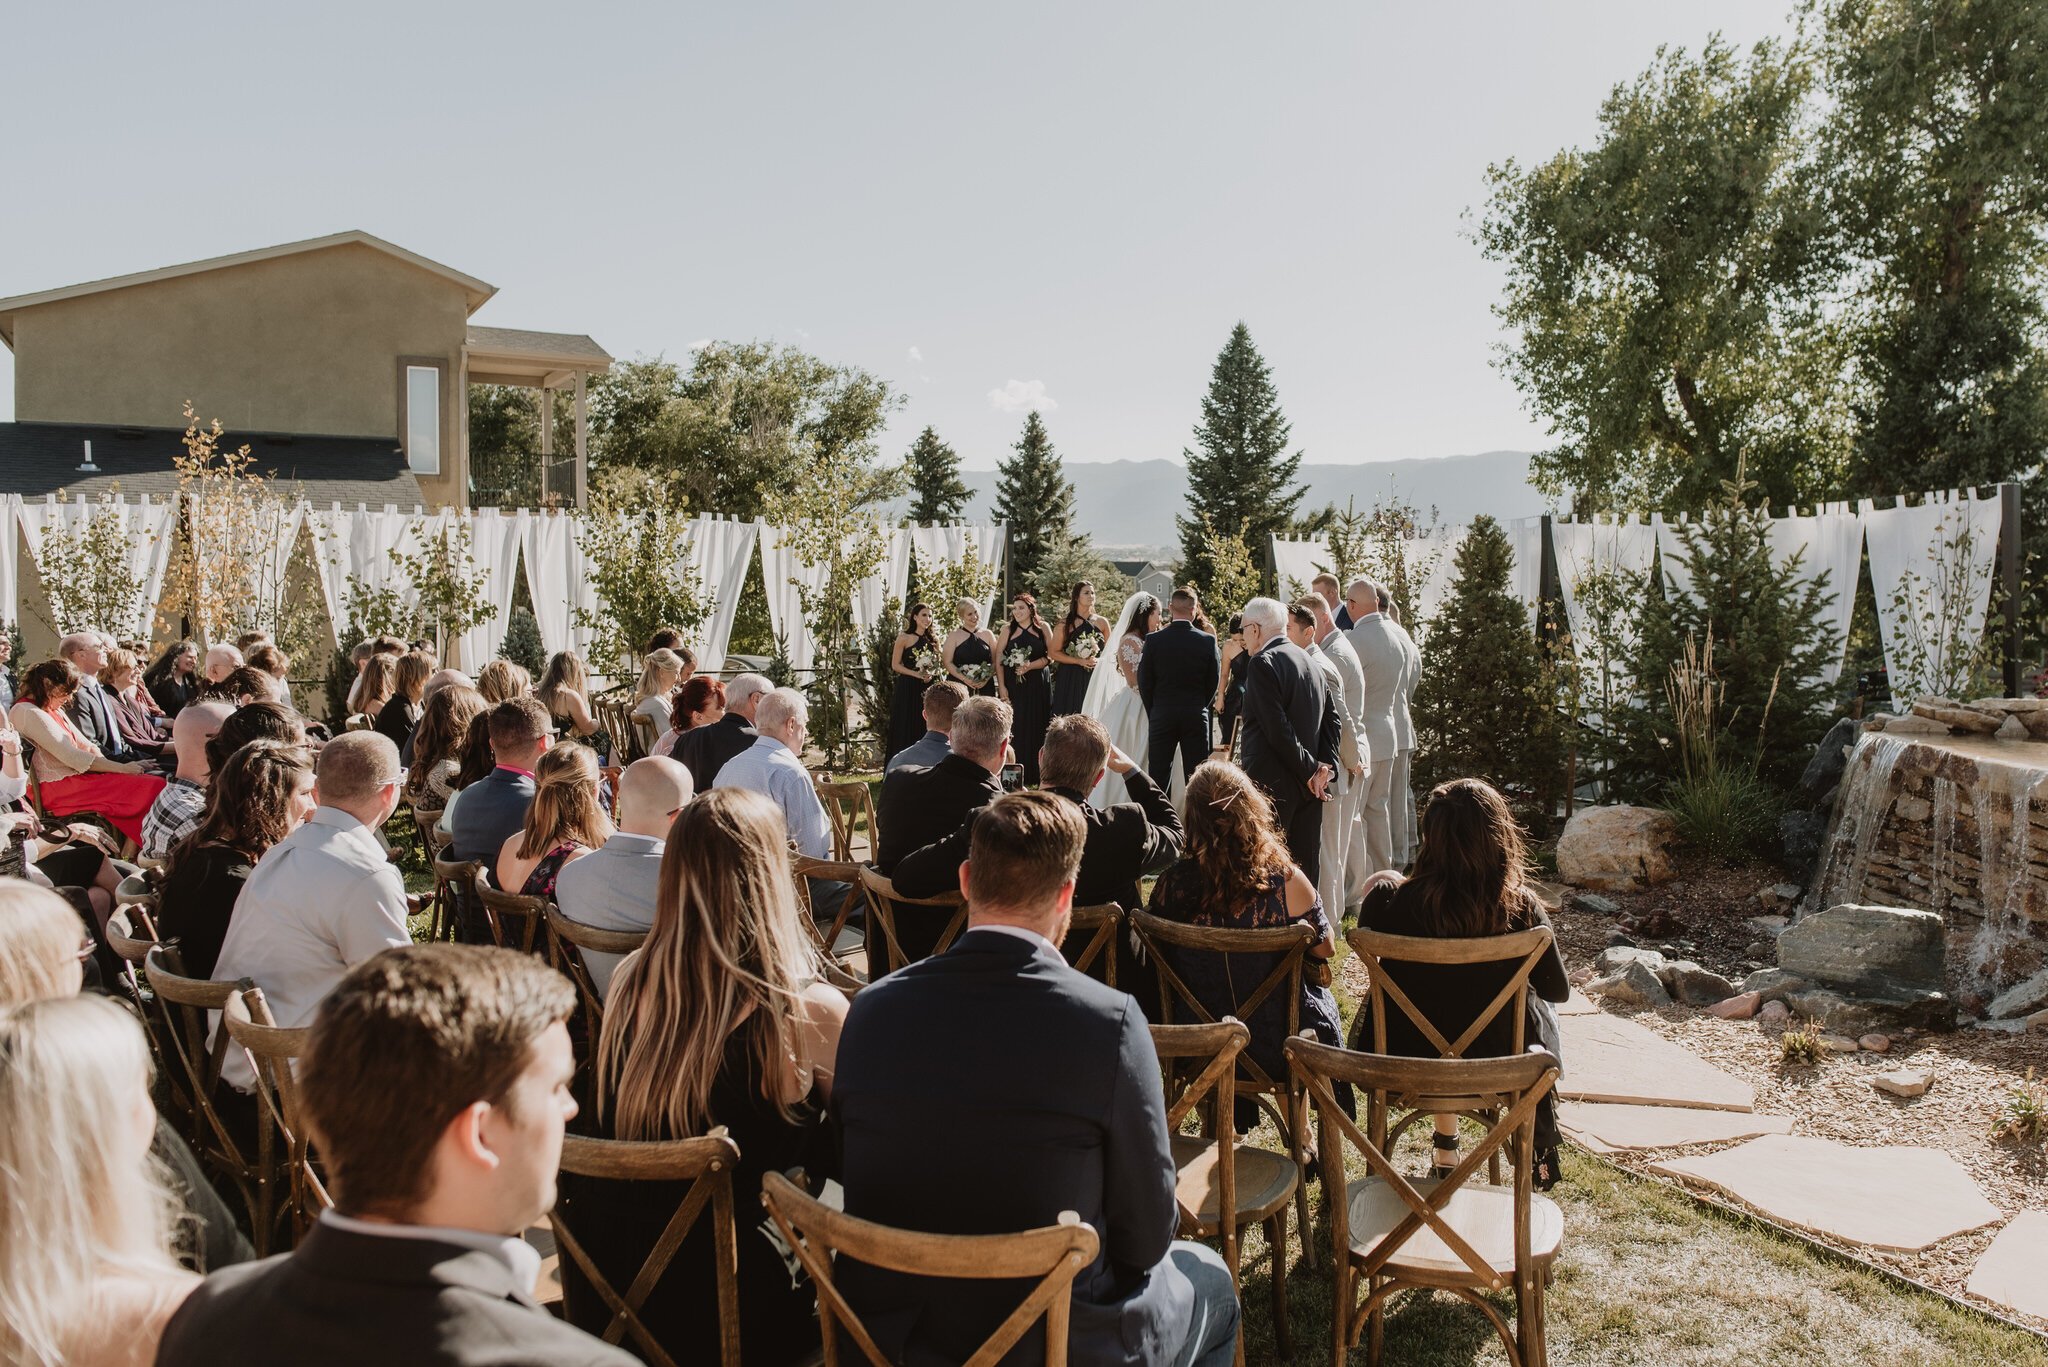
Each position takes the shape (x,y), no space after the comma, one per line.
(1385,665)
(1351,767)
(1401,804)
(1336,647)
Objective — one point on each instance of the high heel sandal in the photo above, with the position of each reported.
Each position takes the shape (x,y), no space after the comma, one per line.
(1440,1144)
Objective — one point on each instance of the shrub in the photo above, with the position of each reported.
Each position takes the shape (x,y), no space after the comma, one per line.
(2023,1118)
(1801,1047)
(522,644)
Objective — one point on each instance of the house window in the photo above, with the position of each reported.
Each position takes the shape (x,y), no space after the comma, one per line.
(423,419)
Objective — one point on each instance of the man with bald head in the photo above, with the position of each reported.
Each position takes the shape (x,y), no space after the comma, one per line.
(176,812)
(614,887)
(221,661)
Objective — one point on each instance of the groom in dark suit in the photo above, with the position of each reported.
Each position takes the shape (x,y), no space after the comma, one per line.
(1177,678)
(1290,731)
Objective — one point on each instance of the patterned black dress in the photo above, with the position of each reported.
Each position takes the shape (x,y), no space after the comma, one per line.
(975,651)
(1030,701)
(906,704)
(1070,683)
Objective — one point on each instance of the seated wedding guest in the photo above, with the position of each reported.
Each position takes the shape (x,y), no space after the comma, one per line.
(774,766)
(272,661)
(1471,879)
(564,690)
(436,1086)
(940,702)
(243,686)
(704,750)
(501,680)
(661,673)
(257,721)
(380,681)
(615,887)
(173,677)
(324,898)
(87,1272)
(364,652)
(563,822)
(493,809)
(1002,1048)
(397,718)
(1234,873)
(177,809)
(437,744)
(221,661)
(444,678)
(263,794)
(142,723)
(700,702)
(922,807)
(91,708)
(71,773)
(719,1020)
(71,860)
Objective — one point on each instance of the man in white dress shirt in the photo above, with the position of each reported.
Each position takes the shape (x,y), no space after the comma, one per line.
(1385,666)
(1351,759)
(1401,803)
(324,898)
(1336,647)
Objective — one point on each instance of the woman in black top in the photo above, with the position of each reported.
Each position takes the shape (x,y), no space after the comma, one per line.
(173,677)
(1470,880)
(259,797)
(970,651)
(1077,646)
(401,714)
(1024,685)
(913,663)
(718,1020)
(1230,691)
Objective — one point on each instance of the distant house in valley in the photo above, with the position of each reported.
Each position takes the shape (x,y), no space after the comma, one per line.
(1146,577)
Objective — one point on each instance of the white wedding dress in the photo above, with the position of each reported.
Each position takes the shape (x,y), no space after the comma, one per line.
(1124,718)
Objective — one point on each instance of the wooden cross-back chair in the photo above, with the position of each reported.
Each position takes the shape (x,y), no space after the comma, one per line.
(1221,1185)
(1055,1255)
(567,942)
(883,899)
(514,918)
(1091,940)
(131,934)
(645,733)
(182,1005)
(1452,1234)
(284,1155)
(1523,949)
(850,808)
(616,720)
(138,890)
(707,1164)
(829,938)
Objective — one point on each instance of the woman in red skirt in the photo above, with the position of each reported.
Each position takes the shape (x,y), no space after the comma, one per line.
(70,772)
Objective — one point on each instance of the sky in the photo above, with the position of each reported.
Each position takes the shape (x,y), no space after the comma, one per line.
(994,207)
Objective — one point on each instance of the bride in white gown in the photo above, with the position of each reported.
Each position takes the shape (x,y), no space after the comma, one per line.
(1113,693)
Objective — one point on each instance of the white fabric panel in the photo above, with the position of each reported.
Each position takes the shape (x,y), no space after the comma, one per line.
(1429,595)
(721,551)
(1525,541)
(1586,548)
(892,577)
(332,528)
(10,573)
(274,537)
(1832,542)
(1670,546)
(1911,544)
(1294,563)
(555,578)
(990,541)
(782,572)
(947,545)
(147,528)
(494,543)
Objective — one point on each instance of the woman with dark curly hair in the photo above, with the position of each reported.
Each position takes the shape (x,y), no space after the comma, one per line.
(261,797)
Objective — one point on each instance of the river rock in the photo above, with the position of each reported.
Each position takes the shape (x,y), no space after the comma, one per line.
(1740,1007)
(1773,984)
(1903,1082)
(1876,1044)
(1774,1018)
(1855,1015)
(1878,721)
(2011,704)
(1824,770)
(1614,958)
(2012,728)
(1915,725)
(1593,904)
(1880,951)
(1693,985)
(2021,999)
(1955,716)
(1616,849)
(1632,985)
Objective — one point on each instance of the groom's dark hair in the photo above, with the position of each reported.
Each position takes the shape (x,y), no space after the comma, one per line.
(1184,600)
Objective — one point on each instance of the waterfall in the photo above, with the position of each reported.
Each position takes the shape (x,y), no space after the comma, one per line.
(1868,788)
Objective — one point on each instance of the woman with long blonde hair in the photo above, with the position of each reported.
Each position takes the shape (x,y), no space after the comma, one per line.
(718,1020)
(380,681)
(564,822)
(660,675)
(501,680)
(87,1278)
(437,744)
(565,692)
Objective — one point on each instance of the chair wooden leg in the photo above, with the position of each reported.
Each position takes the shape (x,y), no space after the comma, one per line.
(1276,1239)
(1340,1308)
(1375,1328)
(1298,1122)
(1530,1329)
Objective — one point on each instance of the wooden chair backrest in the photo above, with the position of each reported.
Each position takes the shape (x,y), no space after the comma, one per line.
(131,943)
(515,920)
(1055,1254)
(1508,1087)
(424,819)
(1290,942)
(882,899)
(1092,936)
(568,939)
(617,719)
(850,807)
(137,889)
(707,1164)
(1377,950)
(804,869)
(273,1051)
(1217,1047)
(645,733)
(457,872)
(183,1004)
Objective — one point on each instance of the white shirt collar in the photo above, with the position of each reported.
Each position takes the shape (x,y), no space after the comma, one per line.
(1021,933)
(520,1258)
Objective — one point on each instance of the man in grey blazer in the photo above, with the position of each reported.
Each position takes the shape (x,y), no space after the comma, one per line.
(1336,647)
(1401,801)
(436,1085)
(1385,666)
(616,885)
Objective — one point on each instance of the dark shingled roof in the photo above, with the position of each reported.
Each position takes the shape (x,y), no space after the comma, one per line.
(38,458)
(563,344)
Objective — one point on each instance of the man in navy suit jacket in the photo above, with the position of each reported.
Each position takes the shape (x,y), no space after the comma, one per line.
(1177,678)
(1290,731)
(988,1089)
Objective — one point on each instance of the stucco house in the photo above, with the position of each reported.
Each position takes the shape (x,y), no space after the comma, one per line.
(343,361)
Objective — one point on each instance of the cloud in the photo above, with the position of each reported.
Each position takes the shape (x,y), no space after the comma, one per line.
(700,344)
(1020,396)
(916,354)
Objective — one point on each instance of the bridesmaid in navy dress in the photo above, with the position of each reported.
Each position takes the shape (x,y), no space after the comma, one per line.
(906,705)
(1025,687)
(1079,626)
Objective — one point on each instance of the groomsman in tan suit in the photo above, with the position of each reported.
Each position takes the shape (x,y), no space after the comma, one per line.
(1385,666)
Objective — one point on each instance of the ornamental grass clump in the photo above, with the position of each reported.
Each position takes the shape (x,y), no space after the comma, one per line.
(2023,1118)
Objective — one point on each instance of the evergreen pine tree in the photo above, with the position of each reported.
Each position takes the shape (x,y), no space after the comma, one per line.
(1240,481)
(1035,498)
(937,493)
(522,644)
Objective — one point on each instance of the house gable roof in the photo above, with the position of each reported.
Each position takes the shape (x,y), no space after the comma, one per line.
(477,291)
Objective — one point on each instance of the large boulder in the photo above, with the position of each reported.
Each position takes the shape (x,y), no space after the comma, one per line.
(1824,770)
(1616,849)
(2021,999)
(1866,950)
(1800,835)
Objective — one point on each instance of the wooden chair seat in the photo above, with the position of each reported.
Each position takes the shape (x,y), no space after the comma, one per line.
(135,888)
(1265,1180)
(1482,1215)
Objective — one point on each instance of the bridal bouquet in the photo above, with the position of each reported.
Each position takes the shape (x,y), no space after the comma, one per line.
(1086,648)
(1017,658)
(925,661)
(976,674)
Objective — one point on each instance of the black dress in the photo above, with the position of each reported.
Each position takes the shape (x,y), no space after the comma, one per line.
(198,901)
(1070,682)
(618,1223)
(906,704)
(1030,701)
(975,651)
(1233,695)
(172,692)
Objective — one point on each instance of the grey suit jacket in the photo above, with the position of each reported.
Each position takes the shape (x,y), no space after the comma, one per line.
(612,888)
(491,811)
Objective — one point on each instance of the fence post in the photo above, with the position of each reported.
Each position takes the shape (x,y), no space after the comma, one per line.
(2009,576)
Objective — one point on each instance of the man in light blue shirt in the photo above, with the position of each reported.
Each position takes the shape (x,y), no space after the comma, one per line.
(774,767)
(616,885)
(940,701)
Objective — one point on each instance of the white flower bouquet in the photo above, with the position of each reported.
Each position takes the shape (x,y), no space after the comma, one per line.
(976,674)
(1085,647)
(925,661)
(1017,658)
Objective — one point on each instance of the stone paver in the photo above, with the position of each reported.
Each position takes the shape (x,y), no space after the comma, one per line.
(1663,1127)
(1607,1058)
(2014,1270)
(1578,1004)
(1890,1197)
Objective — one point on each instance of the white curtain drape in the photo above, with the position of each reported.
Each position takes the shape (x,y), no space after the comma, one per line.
(891,580)
(556,579)
(1831,540)
(1525,541)
(782,572)
(273,539)
(332,529)
(146,528)
(947,545)
(721,550)
(1435,586)
(1585,549)
(1295,563)
(495,536)
(1931,567)
(10,573)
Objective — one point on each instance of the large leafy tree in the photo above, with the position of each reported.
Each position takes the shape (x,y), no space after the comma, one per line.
(1241,477)
(1668,289)
(1035,497)
(937,493)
